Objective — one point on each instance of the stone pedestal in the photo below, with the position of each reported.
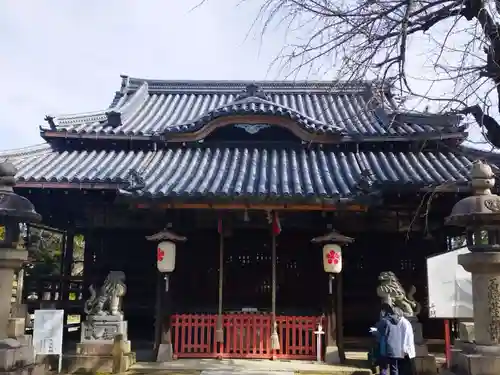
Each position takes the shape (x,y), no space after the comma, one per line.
(332,356)
(96,348)
(165,353)
(424,362)
(483,356)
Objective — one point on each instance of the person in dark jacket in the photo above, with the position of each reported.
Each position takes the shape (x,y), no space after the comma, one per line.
(390,330)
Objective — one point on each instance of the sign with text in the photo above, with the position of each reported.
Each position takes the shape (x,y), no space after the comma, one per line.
(48,332)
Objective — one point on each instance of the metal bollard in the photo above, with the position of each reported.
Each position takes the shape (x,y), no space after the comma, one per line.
(318,334)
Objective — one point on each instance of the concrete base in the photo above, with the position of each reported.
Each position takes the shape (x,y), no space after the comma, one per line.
(96,356)
(93,364)
(103,348)
(165,353)
(35,369)
(463,363)
(332,356)
(426,365)
(19,358)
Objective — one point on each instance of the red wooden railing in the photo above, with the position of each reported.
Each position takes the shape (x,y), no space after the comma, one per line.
(245,336)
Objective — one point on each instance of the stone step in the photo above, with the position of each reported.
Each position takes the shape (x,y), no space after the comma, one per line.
(335,370)
(245,367)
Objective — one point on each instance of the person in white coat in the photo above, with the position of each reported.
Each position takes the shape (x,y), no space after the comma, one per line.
(408,345)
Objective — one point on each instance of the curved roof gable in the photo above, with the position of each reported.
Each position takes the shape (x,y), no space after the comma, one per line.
(147,108)
(253,105)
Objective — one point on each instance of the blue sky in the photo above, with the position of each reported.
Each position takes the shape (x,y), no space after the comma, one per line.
(61,56)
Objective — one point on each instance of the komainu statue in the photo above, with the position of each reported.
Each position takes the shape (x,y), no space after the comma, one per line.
(108,300)
(392,292)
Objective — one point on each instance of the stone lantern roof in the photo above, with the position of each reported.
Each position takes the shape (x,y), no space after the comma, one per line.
(482,209)
(13,205)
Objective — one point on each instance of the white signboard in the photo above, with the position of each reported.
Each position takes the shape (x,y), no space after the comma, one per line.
(48,332)
(449,286)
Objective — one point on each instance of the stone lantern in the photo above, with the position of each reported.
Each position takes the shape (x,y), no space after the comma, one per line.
(15,351)
(479,214)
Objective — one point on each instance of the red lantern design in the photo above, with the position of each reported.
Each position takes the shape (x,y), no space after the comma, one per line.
(333,257)
(160,255)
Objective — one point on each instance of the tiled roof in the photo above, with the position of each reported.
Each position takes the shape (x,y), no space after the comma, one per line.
(244,172)
(152,107)
(24,152)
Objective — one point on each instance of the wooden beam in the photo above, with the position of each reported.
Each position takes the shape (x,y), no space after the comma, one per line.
(276,120)
(66,185)
(264,207)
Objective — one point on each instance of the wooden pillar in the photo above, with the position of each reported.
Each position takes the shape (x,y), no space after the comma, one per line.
(158,313)
(66,263)
(339,295)
(91,245)
(165,350)
(331,317)
(334,351)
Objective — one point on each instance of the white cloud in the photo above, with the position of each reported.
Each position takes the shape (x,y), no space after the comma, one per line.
(63,56)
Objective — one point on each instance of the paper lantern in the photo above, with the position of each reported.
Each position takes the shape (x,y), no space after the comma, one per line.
(332,258)
(165,256)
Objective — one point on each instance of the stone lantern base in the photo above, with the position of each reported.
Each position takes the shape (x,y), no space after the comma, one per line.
(466,360)
(17,355)
(469,358)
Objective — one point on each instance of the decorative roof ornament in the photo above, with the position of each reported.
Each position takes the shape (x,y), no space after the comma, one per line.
(252,91)
(114,118)
(50,120)
(365,182)
(252,128)
(134,183)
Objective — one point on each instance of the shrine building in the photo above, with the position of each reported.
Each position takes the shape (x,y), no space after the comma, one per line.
(242,176)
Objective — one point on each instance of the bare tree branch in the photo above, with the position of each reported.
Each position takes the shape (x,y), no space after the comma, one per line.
(373,38)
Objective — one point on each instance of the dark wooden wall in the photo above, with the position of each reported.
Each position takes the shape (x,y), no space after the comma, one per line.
(301,281)
(115,241)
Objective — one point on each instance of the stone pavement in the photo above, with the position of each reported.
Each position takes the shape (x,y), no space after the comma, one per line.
(356,365)
(242,366)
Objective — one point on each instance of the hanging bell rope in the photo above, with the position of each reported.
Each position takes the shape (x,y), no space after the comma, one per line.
(275,230)
(219,332)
